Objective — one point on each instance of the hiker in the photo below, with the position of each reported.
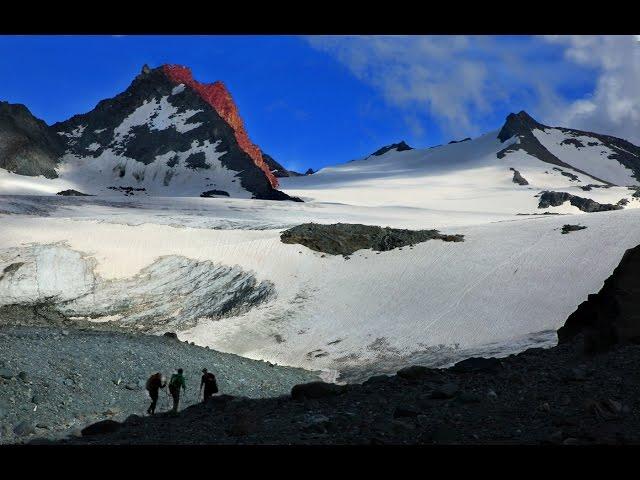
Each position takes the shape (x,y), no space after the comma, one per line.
(154,383)
(209,383)
(177,381)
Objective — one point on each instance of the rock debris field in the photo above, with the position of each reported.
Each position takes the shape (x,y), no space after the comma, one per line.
(54,382)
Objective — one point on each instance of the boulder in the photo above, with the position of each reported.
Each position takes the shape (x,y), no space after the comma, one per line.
(477,364)
(568,228)
(416,372)
(100,428)
(171,335)
(24,428)
(316,390)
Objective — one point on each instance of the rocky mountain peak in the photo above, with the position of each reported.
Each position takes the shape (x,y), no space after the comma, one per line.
(518,124)
(399,147)
(219,98)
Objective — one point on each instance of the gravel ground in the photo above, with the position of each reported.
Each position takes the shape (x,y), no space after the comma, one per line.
(54,381)
(554,396)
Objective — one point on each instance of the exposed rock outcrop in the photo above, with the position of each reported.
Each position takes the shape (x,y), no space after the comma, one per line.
(27,145)
(72,193)
(214,193)
(398,147)
(277,169)
(555,199)
(611,316)
(346,238)
(571,176)
(517,178)
(572,228)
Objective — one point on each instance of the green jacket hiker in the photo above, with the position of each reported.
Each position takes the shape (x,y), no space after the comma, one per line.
(177,381)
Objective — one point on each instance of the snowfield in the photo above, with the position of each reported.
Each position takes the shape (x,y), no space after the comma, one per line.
(215,270)
(461,177)
(507,282)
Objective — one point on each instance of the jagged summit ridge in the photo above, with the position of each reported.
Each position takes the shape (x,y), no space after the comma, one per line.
(518,124)
(218,96)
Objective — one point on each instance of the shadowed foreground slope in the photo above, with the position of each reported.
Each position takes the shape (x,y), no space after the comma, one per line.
(561,395)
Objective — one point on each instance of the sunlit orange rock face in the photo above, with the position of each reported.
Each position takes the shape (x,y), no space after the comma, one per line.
(217,95)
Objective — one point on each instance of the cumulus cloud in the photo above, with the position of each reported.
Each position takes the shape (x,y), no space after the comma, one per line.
(402,69)
(614,105)
(463,82)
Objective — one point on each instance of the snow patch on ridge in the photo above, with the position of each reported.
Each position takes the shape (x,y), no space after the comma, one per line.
(587,154)
(178,89)
(74,134)
(158,115)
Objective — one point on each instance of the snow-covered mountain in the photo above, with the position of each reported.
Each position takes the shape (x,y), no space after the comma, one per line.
(166,134)
(27,145)
(503,171)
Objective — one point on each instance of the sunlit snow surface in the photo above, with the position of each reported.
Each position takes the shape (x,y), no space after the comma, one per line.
(508,286)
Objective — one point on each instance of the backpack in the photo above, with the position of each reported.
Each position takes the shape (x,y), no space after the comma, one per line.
(210,381)
(150,381)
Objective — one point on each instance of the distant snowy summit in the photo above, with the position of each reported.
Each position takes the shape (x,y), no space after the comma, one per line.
(167,134)
(523,167)
(604,158)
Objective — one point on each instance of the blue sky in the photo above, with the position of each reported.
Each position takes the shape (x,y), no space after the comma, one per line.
(315,101)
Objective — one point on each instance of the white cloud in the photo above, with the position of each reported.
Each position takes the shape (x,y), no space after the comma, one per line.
(461,81)
(402,69)
(614,105)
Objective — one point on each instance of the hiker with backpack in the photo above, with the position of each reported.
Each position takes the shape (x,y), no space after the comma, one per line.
(209,383)
(177,381)
(154,383)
